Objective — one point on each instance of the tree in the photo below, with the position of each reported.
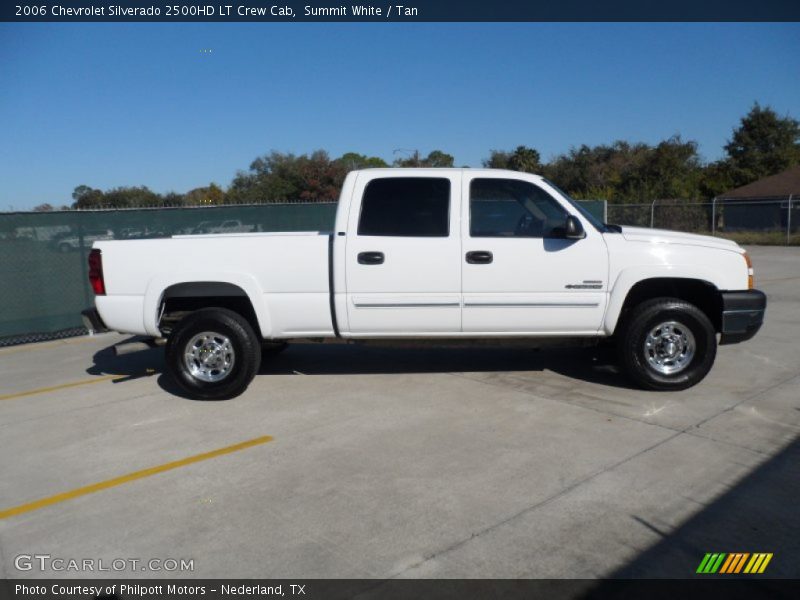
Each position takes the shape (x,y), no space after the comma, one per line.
(436,158)
(498,159)
(202,196)
(715,178)
(46,207)
(763,144)
(523,158)
(597,172)
(671,170)
(87,197)
(131,197)
(173,199)
(625,172)
(278,177)
(318,178)
(353,161)
(121,197)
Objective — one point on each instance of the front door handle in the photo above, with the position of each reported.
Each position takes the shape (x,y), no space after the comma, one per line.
(370,258)
(479,257)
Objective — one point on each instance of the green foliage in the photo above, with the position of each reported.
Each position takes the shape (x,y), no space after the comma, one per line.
(277,177)
(498,159)
(523,158)
(624,172)
(87,197)
(173,199)
(670,170)
(124,197)
(763,144)
(763,238)
(202,196)
(621,172)
(353,161)
(435,159)
(716,177)
(121,197)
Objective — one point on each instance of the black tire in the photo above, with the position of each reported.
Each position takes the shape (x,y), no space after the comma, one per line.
(646,365)
(243,347)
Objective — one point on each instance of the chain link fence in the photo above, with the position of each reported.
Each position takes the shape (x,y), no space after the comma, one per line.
(772,221)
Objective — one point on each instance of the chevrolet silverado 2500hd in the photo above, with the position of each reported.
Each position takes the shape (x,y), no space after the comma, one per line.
(440,255)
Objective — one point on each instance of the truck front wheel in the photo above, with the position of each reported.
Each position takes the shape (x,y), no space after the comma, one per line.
(666,344)
(213,354)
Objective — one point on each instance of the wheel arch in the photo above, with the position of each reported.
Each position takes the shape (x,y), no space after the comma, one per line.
(699,291)
(179,294)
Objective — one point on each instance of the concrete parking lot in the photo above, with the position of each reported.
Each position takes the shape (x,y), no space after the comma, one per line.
(386,463)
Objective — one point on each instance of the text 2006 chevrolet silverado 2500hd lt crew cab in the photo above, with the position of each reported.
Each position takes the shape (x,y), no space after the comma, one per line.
(432,254)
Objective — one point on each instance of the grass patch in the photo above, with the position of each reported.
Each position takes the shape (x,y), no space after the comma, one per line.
(760,238)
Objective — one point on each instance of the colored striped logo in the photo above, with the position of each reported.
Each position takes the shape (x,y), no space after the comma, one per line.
(735,562)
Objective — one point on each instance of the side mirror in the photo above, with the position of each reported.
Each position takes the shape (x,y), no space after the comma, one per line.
(573,230)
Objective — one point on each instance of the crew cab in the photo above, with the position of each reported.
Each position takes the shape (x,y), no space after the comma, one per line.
(435,256)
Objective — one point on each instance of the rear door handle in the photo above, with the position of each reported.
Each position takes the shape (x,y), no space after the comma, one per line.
(479,257)
(370,258)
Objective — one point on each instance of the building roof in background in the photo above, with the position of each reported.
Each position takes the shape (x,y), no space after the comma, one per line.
(775,186)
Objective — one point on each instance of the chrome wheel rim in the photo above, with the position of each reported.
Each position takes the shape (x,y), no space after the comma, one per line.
(209,356)
(669,347)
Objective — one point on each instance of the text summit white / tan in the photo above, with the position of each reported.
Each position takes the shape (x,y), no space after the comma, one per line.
(437,256)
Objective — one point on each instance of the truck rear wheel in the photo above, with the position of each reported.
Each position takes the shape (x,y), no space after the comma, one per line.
(667,344)
(213,354)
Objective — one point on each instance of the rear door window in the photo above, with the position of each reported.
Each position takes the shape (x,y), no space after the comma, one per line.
(406,207)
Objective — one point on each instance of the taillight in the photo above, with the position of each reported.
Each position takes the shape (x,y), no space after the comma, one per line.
(96,272)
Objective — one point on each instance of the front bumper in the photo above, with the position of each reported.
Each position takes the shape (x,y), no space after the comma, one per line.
(742,315)
(92,321)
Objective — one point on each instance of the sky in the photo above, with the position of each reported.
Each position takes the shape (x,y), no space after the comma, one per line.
(177,106)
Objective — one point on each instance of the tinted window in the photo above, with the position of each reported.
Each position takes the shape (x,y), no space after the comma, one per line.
(511,208)
(406,206)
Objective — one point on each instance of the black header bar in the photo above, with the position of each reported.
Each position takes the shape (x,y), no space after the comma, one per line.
(411,11)
(732,588)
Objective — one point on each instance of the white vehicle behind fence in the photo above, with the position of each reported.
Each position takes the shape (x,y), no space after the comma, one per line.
(72,241)
(437,256)
(227,226)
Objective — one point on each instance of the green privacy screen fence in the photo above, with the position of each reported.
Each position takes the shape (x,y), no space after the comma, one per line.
(43,255)
(43,279)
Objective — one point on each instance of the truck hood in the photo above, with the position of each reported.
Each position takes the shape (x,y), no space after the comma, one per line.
(665,236)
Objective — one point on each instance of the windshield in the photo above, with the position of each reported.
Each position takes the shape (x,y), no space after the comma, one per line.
(596,223)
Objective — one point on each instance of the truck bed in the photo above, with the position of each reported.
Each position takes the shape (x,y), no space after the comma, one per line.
(288,272)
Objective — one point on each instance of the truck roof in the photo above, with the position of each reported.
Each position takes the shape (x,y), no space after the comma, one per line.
(432,170)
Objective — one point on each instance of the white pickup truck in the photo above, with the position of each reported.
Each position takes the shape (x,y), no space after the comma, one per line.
(433,255)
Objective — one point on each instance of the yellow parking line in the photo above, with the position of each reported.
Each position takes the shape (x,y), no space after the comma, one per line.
(61,386)
(109,483)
